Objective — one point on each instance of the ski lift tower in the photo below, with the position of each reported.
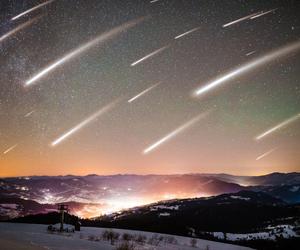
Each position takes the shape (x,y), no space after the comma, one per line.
(62,208)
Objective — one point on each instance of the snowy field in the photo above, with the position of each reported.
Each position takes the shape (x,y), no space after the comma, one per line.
(15,236)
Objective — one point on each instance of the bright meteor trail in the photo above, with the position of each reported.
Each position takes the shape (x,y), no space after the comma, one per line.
(149,55)
(32,9)
(18,28)
(279,126)
(265,154)
(29,113)
(250,53)
(245,68)
(240,20)
(83,48)
(263,13)
(10,149)
(83,123)
(175,132)
(143,92)
(186,33)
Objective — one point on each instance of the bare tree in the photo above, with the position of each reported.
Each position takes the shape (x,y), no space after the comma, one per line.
(193,242)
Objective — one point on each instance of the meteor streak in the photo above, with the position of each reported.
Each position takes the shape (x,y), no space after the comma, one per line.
(175,132)
(250,53)
(251,65)
(263,13)
(83,48)
(240,20)
(10,149)
(18,28)
(32,9)
(29,113)
(149,55)
(143,92)
(186,33)
(279,126)
(265,154)
(83,123)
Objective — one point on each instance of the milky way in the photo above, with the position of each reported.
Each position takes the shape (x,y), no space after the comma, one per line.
(64,64)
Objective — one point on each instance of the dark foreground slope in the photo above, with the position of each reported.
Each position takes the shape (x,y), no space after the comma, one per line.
(249,215)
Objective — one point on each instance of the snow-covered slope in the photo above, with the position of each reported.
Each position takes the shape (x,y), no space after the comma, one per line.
(270,233)
(32,236)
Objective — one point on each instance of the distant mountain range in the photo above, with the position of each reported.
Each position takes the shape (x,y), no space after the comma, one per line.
(273,179)
(93,195)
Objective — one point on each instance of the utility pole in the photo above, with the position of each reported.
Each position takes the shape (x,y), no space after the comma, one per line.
(62,208)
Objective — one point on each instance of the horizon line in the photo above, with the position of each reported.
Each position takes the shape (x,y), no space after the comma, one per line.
(126,174)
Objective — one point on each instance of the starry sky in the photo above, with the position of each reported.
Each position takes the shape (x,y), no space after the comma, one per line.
(107,52)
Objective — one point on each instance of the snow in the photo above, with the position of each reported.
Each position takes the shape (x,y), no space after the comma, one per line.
(9,210)
(37,235)
(271,233)
(155,208)
(66,226)
(9,213)
(22,188)
(240,197)
(164,214)
(9,205)
(294,188)
(168,207)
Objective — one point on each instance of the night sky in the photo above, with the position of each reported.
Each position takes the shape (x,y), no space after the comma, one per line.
(215,95)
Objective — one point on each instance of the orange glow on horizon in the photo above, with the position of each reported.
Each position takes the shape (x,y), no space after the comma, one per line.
(65,161)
